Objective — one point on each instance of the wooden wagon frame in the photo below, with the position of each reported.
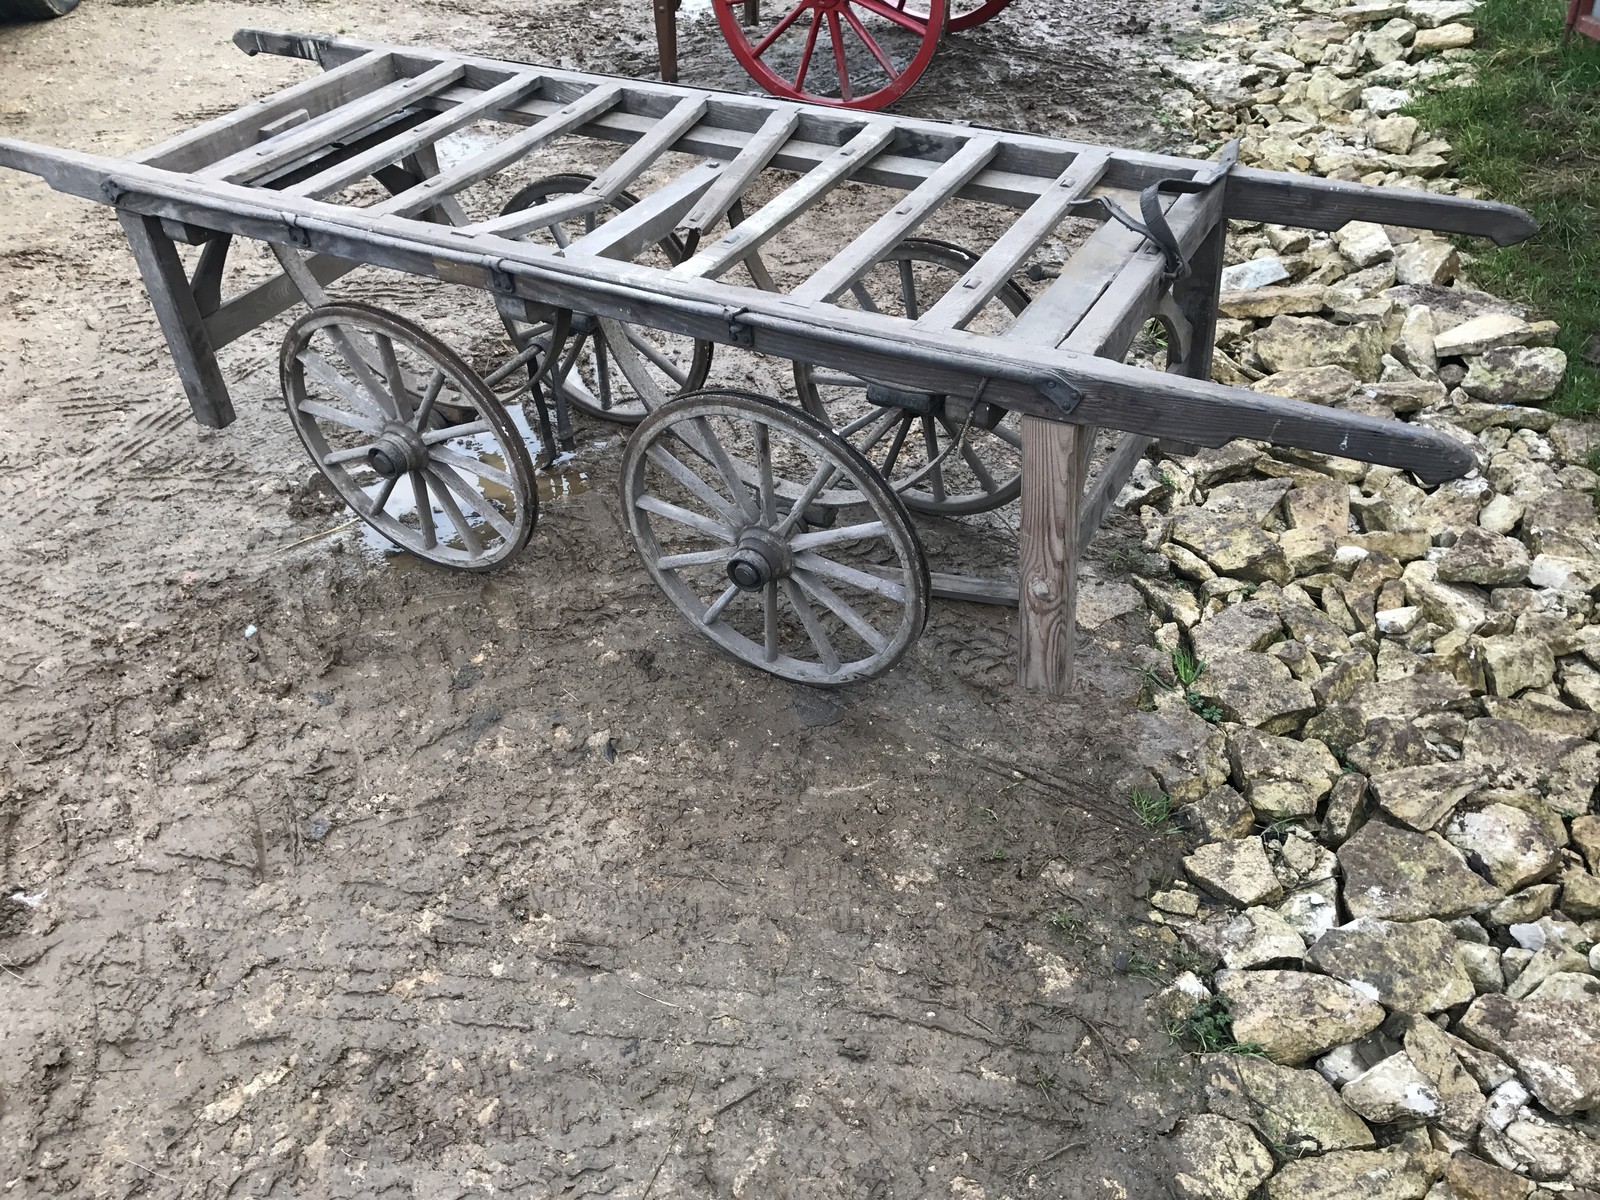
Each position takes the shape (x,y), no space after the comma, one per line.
(263,172)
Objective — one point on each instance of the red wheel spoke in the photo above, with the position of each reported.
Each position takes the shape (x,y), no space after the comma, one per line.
(889,13)
(778,30)
(872,46)
(805,57)
(838,57)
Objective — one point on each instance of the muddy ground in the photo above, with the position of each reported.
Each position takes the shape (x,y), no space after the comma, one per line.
(439,885)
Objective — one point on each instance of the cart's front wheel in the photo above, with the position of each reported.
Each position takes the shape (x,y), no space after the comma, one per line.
(853,53)
(409,436)
(725,497)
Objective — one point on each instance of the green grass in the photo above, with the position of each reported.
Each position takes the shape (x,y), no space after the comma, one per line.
(1154,812)
(1528,132)
(1209,1028)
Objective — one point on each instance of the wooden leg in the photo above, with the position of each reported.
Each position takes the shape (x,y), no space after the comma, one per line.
(667,39)
(1055,460)
(181,322)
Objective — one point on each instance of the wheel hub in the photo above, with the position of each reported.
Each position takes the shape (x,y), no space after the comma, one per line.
(759,560)
(398,450)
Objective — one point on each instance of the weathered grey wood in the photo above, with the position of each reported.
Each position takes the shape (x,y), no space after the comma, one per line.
(749,162)
(861,343)
(234,131)
(609,183)
(1003,259)
(1052,489)
(341,175)
(788,204)
(254,308)
(348,118)
(973,589)
(1108,483)
(650,220)
(480,166)
(1252,195)
(898,223)
(184,328)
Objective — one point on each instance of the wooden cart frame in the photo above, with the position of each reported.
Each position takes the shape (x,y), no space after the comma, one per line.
(264,172)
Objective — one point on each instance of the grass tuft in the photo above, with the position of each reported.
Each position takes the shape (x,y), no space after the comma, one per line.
(1209,1028)
(1154,812)
(1527,132)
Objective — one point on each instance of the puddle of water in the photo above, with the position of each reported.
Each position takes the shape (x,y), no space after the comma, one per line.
(455,148)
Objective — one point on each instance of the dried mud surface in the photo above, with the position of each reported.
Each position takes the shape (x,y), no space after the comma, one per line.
(441,885)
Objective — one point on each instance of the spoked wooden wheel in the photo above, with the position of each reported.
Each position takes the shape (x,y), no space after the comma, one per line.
(587,373)
(854,53)
(941,454)
(721,493)
(409,436)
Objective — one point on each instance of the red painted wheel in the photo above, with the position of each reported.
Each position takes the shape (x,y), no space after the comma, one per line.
(984,11)
(851,53)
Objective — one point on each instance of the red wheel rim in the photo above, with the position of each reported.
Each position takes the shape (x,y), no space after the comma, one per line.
(985,11)
(850,53)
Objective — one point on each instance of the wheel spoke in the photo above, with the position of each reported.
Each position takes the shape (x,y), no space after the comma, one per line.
(695,558)
(899,444)
(721,603)
(887,417)
(768,495)
(871,43)
(419,492)
(834,603)
(845,533)
(805,55)
(353,454)
(674,467)
(859,291)
(429,396)
(474,500)
(769,620)
(970,456)
(683,516)
(930,443)
(393,376)
(713,452)
(824,476)
(815,564)
(434,436)
(813,627)
(361,368)
(1010,437)
(839,66)
(908,290)
(653,352)
(375,503)
(789,18)
(469,535)
(466,462)
(903,19)
(339,416)
(322,370)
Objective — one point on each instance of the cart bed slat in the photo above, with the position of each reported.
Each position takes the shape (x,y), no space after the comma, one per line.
(651,219)
(749,162)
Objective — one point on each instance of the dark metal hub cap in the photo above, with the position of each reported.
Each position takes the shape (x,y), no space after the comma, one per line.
(760,559)
(397,451)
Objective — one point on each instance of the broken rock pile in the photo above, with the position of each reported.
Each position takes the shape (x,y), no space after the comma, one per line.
(1386,694)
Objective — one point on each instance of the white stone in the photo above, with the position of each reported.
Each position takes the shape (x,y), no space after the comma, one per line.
(1255,273)
(1384,100)
(1504,1104)
(1393,1092)
(1430,14)
(1482,333)
(1364,243)
(1393,622)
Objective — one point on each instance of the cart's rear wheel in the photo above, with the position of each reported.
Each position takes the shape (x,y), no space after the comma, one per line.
(588,373)
(967,18)
(942,454)
(409,436)
(852,53)
(720,490)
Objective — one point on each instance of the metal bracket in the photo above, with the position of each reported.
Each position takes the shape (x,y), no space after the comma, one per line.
(300,237)
(112,191)
(502,282)
(1060,393)
(740,333)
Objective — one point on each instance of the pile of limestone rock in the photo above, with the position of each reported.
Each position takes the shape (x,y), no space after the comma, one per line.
(1388,762)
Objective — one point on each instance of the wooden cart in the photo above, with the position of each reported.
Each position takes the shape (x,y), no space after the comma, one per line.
(781,531)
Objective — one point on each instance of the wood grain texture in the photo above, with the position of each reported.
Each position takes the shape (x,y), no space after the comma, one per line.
(1052,490)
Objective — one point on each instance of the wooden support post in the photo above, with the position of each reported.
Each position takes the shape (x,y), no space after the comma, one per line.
(1055,459)
(667,39)
(1197,297)
(179,315)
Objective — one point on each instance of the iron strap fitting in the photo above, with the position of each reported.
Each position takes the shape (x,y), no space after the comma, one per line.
(740,332)
(1059,392)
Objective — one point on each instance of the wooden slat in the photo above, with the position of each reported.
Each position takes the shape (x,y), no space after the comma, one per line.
(479,167)
(1003,259)
(609,182)
(888,230)
(329,128)
(266,300)
(788,204)
(343,174)
(749,162)
(234,131)
(651,219)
